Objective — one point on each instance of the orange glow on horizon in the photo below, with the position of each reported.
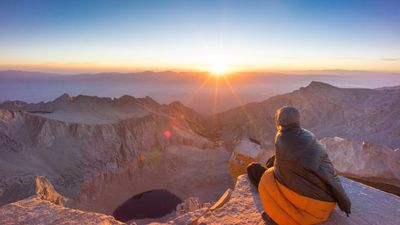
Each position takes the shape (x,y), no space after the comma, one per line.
(215,68)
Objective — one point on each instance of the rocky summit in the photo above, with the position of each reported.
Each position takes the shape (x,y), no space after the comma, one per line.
(370,206)
(244,207)
(77,159)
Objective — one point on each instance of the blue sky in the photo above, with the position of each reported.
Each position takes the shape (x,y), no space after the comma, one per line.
(192,35)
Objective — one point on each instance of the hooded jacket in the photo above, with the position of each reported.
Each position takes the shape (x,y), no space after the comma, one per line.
(302,164)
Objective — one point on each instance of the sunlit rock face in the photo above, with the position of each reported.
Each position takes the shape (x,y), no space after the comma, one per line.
(364,160)
(245,152)
(191,204)
(77,156)
(47,206)
(45,191)
(36,211)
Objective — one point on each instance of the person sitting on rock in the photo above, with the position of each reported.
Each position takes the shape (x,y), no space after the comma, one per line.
(299,184)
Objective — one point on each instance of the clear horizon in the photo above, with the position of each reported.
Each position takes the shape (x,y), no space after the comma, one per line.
(198,36)
(328,72)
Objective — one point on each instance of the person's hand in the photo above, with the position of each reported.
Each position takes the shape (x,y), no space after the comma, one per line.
(345,206)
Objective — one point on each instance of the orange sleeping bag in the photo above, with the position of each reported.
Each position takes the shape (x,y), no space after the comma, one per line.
(285,206)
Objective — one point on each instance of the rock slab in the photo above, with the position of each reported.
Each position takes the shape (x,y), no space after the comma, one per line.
(369,206)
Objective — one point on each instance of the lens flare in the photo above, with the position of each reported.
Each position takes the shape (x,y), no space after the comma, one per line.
(167,134)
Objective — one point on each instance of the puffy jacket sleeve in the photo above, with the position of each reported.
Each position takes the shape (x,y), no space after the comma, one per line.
(319,164)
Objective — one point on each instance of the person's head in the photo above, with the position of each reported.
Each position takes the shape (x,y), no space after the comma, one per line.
(286,116)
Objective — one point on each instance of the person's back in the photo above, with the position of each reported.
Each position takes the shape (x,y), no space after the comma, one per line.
(301,187)
(298,156)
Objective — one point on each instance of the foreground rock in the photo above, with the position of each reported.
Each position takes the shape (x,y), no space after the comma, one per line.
(189,205)
(46,207)
(241,206)
(36,211)
(245,152)
(364,160)
(45,191)
(369,206)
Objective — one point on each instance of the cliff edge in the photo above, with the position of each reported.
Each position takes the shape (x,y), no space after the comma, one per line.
(47,207)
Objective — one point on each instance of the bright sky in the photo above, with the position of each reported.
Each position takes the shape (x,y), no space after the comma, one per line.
(243,35)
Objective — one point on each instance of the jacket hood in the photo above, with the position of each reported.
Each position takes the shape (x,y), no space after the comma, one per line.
(287,115)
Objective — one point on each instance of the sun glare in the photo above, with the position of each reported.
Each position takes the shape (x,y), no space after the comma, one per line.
(219,69)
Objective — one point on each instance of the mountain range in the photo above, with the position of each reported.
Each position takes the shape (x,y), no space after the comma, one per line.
(100,151)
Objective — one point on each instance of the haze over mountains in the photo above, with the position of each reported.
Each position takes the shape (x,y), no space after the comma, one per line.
(166,87)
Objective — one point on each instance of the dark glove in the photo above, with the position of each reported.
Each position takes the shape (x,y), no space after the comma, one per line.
(270,162)
(345,206)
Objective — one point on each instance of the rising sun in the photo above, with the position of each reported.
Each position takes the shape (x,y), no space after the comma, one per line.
(218,69)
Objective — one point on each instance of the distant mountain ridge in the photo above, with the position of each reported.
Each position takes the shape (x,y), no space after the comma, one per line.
(194,89)
(353,113)
(326,110)
(95,110)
